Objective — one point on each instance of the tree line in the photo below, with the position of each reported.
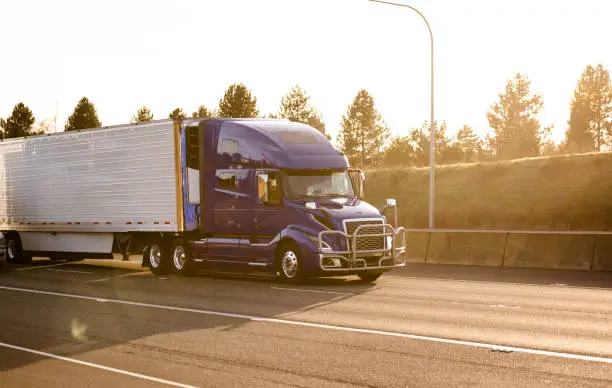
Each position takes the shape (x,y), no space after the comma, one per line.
(365,138)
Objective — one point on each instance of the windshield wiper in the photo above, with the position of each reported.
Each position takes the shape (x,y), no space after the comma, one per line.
(322,195)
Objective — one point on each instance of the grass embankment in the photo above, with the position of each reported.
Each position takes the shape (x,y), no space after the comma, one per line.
(569,192)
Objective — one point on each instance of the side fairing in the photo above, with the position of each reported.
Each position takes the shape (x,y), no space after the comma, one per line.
(189,210)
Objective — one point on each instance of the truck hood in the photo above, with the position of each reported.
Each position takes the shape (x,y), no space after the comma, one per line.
(335,210)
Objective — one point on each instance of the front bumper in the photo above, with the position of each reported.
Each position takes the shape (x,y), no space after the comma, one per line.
(389,257)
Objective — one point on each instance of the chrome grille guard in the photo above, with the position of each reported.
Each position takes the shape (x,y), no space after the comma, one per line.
(353,259)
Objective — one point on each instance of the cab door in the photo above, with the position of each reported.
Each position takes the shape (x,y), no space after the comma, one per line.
(268,215)
(231,217)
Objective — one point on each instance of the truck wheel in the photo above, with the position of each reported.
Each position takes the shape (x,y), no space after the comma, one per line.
(14,250)
(158,256)
(182,262)
(289,264)
(369,277)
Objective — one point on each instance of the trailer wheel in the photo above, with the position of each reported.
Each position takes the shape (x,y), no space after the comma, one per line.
(289,264)
(158,257)
(14,250)
(182,261)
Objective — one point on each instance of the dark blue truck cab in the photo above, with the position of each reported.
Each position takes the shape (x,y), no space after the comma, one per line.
(275,196)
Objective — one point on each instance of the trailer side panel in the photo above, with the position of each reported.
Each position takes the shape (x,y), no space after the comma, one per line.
(117,179)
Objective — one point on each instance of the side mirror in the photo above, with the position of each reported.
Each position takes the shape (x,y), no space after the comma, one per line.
(390,202)
(357,178)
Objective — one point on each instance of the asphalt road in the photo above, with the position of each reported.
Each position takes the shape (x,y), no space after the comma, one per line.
(82,324)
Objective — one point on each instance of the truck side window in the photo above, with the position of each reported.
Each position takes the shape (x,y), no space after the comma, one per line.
(229,146)
(227,181)
(268,188)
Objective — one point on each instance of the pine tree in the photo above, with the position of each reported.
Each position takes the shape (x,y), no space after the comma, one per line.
(514,120)
(295,106)
(202,112)
(364,132)
(83,117)
(238,102)
(420,139)
(20,122)
(177,114)
(142,115)
(400,152)
(2,128)
(469,143)
(590,123)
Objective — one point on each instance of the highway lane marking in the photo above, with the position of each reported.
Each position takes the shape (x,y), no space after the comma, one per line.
(98,366)
(503,306)
(314,291)
(99,280)
(254,318)
(41,266)
(118,277)
(67,270)
(496,282)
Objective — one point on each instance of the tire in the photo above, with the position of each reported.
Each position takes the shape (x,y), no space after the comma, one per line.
(289,264)
(14,250)
(158,257)
(182,262)
(369,277)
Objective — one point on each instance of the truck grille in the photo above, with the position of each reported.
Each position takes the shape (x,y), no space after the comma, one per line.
(367,243)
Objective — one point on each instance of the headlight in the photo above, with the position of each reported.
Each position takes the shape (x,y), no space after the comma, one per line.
(315,241)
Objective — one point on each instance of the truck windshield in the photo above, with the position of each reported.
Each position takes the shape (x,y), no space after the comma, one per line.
(317,183)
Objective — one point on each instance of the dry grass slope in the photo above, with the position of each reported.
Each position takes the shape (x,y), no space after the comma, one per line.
(569,192)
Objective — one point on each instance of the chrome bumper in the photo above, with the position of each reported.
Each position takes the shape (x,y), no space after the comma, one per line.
(390,256)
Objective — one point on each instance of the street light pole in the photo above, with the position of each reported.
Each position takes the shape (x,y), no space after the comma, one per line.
(432,146)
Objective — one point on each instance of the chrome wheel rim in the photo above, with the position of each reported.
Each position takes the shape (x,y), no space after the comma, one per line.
(289,263)
(155,256)
(10,249)
(179,257)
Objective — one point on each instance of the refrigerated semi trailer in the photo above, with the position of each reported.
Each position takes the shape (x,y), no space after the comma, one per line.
(223,194)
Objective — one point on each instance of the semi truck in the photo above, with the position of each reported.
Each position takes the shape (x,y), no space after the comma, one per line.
(244,195)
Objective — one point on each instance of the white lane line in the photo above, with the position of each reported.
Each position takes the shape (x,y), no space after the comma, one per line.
(323,326)
(315,291)
(98,366)
(67,270)
(503,306)
(40,267)
(98,280)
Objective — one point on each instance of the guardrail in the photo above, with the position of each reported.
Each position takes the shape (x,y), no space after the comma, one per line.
(589,250)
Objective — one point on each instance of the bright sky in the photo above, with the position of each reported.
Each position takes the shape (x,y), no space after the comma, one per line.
(167,54)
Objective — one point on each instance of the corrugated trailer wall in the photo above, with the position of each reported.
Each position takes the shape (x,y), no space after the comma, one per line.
(113,179)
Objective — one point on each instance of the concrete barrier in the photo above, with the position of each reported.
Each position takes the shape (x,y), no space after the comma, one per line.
(416,246)
(602,257)
(467,248)
(549,251)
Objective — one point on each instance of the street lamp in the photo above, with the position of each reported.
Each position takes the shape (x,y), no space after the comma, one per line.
(432,147)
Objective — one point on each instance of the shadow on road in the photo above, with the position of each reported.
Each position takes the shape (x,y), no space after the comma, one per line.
(540,276)
(69,327)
